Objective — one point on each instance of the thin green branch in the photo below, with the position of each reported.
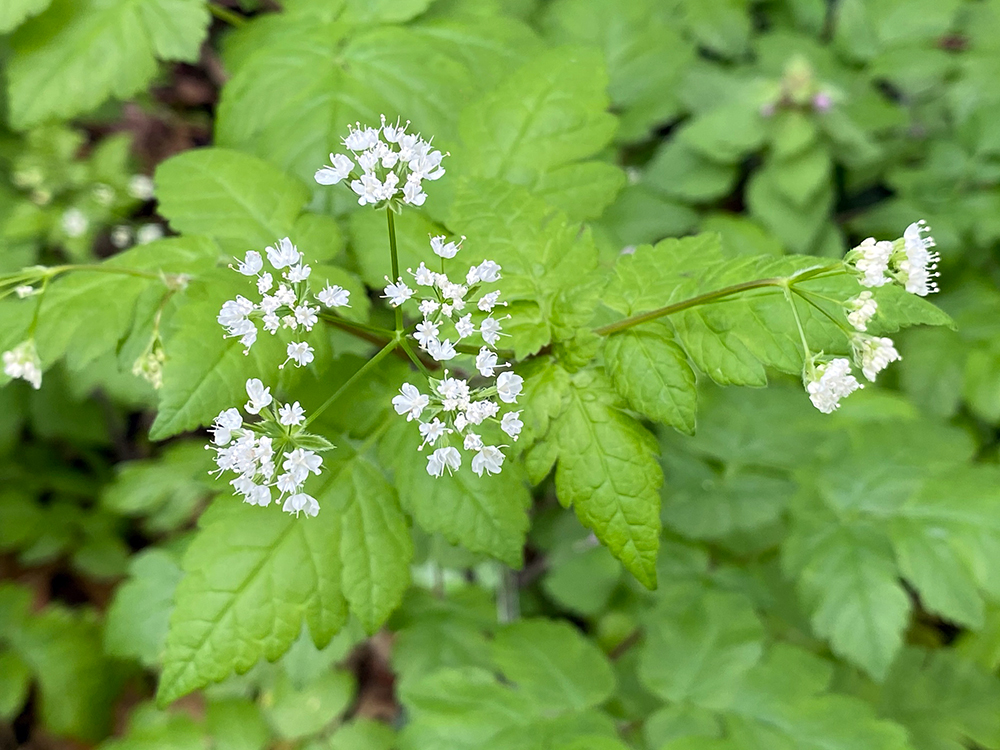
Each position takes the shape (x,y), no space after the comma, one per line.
(384,352)
(224,14)
(395,261)
(806,354)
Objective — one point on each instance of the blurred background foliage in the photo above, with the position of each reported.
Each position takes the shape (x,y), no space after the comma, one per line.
(789,126)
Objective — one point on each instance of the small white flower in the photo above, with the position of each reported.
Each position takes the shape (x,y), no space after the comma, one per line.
(464,326)
(300,462)
(334,296)
(368,189)
(490,329)
(397,293)
(410,402)
(454,393)
(919,265)
(360,139)
(22,362)
(431,431)
(25,290)
(284,296)
(424,276)
(291,414)
(331,175)
(140,187)
(875,353)
(861,309)
(479,411)
(487,272)
(227,421)
(104,195)
(488,301)
(75,222)
(251,264)
(233,311)
(443,458)
(486,362)
(873,262)
(288,483)
(445,250)
(509,387)
(472,442)
(271,322)
(301,503)
(426,332)
(121,236)
(283,253)
(300,353)
(259,495)
(264,283)
(149,233)
(441,351)
(260,397)
(298,273)
(489,459)
(413,193)
(829,383)
(511,423)
(305,316)
(428,307)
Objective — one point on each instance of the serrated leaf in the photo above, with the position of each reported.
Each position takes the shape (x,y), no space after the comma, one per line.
(607,470)
(375,544)
(652,374)
(252,576)
(547,116)
(78,53)
(483,514)
(553,664)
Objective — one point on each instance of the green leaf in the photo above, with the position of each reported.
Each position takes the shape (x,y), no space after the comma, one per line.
(14,12)
(14,686)
(542,255)
(137,621)
(236,724)
(698,650)
(721,25)
(299,712)
(726,133)
(78,53)
(652,373)
(240,200)
(370,243)
(483,514)
(363,734)
(545,118)
(252,576)
(679,171)
(607,470)
(376,548)
(553,664)
(206,372)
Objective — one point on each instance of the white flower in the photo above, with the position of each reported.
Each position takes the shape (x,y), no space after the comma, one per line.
(121,236)
(300,462)
(487,271)
(424,276)
(291,414)
(413,193)
(831,382)
(264,283)
(260,397)
(490,329)
(368,188)
(488,301)
(918,268)
(488,459)
(298,273)
(464,326)
(301,503)
(431,431)
(233,311)
(873,261)
(509,387)
(427,166)
(284,296)
(305,316)
(428,307)
(478,412)
(259,495)
(282,254)
(228,421)
(454,393)
(426,332)
(148,233)
(472,442)
(140,187)
(410,402)
(359,139)
(861,309)
(445,250)
(300,353)
(486,362)
(441,351)
(392,133)
(75,222)
(875,353)
(441,459)
(251,263)
(397,293)
(25,290)
(334,296)
(246,331)
(288,483)
(22,362)
(331,175)
(512,424)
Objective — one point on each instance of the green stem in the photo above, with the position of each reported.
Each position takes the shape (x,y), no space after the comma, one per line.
(352,325)
(384,352)
(803,292)
(414,357)
(224,14)
(806,354)
(508,596)
(395,262)
(701,299)
(38,308)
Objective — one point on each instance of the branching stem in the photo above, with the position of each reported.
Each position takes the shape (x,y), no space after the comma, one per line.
(384,352)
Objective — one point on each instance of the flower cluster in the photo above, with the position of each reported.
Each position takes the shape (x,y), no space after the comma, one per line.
(284,303)
(255,451)
(393,165)
(22,362)
(454,410)
(829,382)
(908,261)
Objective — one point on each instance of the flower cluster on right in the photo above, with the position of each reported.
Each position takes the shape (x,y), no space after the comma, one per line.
(908,262)
(454,410)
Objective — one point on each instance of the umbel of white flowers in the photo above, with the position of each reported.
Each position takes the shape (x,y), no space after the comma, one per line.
(22,362)
(908,262)
(393,165)
(284,301)
(456,410)
(275,453)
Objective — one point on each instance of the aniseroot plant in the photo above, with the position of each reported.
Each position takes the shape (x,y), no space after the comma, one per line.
(628,346)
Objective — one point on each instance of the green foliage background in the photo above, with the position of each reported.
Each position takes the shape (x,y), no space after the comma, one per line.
(738,570)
